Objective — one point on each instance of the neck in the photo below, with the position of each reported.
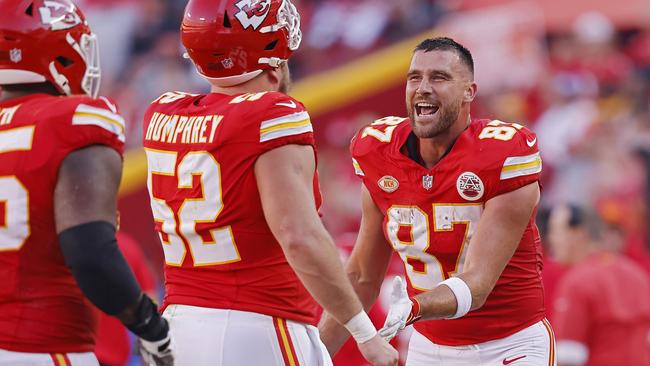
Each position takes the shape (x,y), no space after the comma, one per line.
(256,85)
(6,95)
(8,92)
(585,251)
(434,148)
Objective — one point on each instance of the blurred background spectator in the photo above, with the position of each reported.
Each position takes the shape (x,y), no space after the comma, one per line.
(576,72)
(601,309)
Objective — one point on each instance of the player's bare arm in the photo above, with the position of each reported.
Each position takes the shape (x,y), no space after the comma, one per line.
(495,240)
(366,269)
(285,181)
(85,214)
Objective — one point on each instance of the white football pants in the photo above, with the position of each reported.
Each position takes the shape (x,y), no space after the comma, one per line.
(216,337)
(9,358)
(532,346)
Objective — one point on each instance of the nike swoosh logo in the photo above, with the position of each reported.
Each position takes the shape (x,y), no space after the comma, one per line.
(508,362)
(291,104)
(532,142)
(110,105)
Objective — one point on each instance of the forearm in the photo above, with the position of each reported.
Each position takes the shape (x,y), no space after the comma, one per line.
(316,262)
(333,334)
(438,303)
(90,251)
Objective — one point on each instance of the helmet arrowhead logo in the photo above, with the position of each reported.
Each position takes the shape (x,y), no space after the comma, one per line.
(58,15)
(252,13)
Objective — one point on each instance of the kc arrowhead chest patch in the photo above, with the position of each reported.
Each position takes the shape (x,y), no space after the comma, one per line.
(470,186)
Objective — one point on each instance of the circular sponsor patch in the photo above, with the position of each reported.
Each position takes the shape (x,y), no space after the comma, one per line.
(470,186)
(388,183)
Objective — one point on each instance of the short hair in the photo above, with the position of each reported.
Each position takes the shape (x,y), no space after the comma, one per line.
(447,44)
(586,218)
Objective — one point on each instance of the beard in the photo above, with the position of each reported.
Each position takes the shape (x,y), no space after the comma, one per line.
(446,116)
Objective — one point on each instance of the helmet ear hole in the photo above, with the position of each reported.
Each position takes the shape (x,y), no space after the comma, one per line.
(226,20)
(64,61)
(271,45)
(30,10)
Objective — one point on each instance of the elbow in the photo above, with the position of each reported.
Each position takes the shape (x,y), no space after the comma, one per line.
(479,289)
(478,299)
(296,242)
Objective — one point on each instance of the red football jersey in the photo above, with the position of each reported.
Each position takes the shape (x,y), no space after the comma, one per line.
(604,304)
(430,216)
(41,308)
(219,251)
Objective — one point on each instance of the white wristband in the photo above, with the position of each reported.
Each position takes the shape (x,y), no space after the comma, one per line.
(462,293)
(361,328)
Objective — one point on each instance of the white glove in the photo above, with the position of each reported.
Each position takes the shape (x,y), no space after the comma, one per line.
(399,311)
(158,353)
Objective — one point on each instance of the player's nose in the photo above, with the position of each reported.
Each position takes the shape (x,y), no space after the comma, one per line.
(424,87)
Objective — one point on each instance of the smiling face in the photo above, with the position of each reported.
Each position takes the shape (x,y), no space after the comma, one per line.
(439,87)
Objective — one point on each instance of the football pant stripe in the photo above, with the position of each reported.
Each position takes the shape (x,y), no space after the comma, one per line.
(284,339)
(60,359)
(298,130)
(551,337)
(294,117)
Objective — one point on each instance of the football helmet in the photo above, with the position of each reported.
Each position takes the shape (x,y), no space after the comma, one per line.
(48,40)
(232,41)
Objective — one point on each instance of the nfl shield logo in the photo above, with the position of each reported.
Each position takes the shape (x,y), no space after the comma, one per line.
(15,55)
(227,63)
(427,182)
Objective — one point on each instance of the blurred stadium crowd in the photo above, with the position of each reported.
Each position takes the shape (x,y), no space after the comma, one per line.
(583,88)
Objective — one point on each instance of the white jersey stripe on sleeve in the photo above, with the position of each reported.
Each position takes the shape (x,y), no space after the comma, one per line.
(87,115)
(287,131)
(515,160)
(294,117)
(517,166)
(357,168)
(288,125)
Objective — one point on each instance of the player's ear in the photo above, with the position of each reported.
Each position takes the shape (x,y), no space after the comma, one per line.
(470,92)
(273,76)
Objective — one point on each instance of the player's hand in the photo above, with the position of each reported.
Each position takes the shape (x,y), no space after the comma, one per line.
(378,352)
(399,311)
(157,353)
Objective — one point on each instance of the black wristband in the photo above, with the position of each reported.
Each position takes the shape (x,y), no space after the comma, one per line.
(149,325)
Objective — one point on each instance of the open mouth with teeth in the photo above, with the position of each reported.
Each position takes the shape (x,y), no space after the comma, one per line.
(425,109)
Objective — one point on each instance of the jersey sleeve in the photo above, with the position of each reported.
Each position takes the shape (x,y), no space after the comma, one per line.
(284,121)
(521,165)
(91,122)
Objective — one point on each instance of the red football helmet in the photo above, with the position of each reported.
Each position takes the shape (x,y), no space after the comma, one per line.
(232,41)
(48,40)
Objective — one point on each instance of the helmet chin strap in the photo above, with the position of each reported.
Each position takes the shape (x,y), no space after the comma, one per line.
(233,80)
(60,79)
